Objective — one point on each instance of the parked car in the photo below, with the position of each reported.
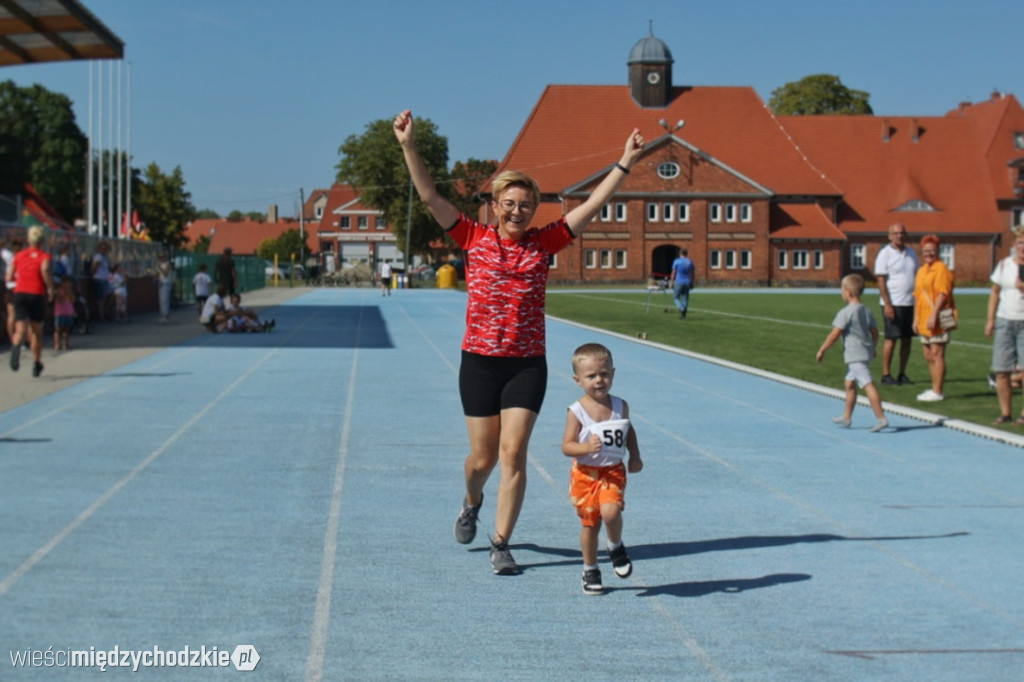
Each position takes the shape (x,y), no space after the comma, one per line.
(282,270)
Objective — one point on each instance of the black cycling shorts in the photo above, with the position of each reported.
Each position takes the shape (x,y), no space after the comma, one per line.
(489,384)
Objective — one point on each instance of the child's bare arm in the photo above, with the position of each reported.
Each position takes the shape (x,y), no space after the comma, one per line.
(635,463)
(571,447)
(832,337)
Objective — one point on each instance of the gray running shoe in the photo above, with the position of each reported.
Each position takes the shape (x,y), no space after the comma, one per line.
(465,525)
(592,582)
(501,559)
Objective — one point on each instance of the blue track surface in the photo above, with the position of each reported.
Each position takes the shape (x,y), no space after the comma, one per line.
(295,492)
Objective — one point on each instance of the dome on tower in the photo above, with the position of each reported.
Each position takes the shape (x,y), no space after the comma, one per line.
(650,50)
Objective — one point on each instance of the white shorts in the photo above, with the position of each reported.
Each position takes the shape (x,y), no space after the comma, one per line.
(859,372)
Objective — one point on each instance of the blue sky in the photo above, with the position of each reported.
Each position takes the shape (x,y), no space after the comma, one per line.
(252,98)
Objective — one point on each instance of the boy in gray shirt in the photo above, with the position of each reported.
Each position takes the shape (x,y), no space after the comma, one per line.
(856,325)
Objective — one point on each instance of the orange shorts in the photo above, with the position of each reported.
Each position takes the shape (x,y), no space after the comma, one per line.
(591,487)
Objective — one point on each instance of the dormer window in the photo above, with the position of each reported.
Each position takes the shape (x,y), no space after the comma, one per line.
(916,205)
(668,170)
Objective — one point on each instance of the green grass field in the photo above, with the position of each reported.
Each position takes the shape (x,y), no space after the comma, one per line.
(781,332)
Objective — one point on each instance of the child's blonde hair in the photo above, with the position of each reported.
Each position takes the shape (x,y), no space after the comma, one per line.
(594,351)
(854,284)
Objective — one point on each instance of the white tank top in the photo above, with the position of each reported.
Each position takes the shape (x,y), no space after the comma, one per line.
(612,432)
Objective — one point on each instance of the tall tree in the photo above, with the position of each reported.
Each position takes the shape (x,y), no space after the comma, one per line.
(40,143)
(818,94)
(373,164)
(469,178)
(164,205)
(289,245)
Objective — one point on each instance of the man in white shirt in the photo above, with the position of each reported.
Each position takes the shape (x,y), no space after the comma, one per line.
(895,269)
(385,278)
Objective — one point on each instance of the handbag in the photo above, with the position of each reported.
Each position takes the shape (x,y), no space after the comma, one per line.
(947,319)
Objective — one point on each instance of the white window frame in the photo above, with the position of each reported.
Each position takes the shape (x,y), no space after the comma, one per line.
(782,259)
(345,223)
(715,213)
(1016,217)
(620,211)
(801,259)
(379,223)
(819,259)
(590,259)
(746,213)
(858,256)
(652,211)
(668,170)
(730,213)
(746,259)
(363,223)
(668,211)
(730,259)
(947,254)
(684,212)
(606,259)
(621,259)
(715,259)
(606,213)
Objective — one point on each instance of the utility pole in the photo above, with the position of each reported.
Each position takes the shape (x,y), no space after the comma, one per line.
(302,228)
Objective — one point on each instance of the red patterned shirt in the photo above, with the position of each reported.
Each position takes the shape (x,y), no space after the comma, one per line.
(507,281)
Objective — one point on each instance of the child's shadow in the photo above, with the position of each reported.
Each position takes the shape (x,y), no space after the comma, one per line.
(702,589)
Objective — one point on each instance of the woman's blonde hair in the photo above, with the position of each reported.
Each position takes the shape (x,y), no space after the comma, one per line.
(35,235)
(511,178)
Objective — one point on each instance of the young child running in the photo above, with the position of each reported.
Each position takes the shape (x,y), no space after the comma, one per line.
(598,435)
(856,325)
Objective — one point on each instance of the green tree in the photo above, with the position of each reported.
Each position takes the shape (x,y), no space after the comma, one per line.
(40,143)
(469,178)
(164,205)
(816,95)
(289,244)
(207,214)
(373,164)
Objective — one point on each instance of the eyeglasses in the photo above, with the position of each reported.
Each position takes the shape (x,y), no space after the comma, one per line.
(929,253)
(509,205)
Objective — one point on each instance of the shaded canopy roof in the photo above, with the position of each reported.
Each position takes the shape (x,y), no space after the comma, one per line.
(34,31)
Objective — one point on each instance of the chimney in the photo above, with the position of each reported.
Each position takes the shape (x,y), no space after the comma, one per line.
(272,213)
(886,130)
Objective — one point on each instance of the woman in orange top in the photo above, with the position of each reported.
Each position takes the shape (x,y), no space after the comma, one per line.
(933,291)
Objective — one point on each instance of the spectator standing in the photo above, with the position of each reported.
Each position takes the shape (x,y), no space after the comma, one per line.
(895,268)
(165,284)
(682,281)
(63,314)
(385,278)
(119,285)
(933,292)
(99,273)
(224,271)
(202,281)
(33,285)
(1006,321)
(11,247)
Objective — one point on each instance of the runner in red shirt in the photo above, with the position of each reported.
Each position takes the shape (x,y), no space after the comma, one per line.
(33,285)
(503,375)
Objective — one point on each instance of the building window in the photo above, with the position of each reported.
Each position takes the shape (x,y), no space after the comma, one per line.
(746,259)
(730,213)
(666,211)
(652,212)
(620,212)
(819,259)
(800,261)
(589,259)
(684,212)
(947,255)
(606,213)
(715,259)
(1017,217)
(380,223)
(730,260)
(620,258)
(857,256)
(363,223)
(319,213)
(553,261)
(327,247)
(746,213)
(783,261)
(715,212)
(668,170)
(345,222)
(606,258)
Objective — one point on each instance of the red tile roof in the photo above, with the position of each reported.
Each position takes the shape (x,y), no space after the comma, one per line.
(243,237)
(577,131)
(942,167)
(802,221)
(998,120)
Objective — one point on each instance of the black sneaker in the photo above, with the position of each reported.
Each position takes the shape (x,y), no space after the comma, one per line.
(501,559)
(37,369)
(15,358)
(904,380)
(592,582)
(888,380)
(620,562)
(465,525)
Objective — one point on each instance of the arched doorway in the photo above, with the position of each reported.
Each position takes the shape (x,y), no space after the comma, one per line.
(661,260)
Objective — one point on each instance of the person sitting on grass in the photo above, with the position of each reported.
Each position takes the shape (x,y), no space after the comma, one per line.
(245,319)
(856,325)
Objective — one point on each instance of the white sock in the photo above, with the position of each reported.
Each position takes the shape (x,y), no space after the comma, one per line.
(613,547)
(589,567)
